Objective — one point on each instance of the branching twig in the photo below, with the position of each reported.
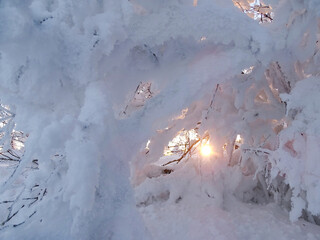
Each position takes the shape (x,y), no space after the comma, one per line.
(187,151)
(183,155)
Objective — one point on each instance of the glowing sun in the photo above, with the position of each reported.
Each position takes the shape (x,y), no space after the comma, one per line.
(206,150)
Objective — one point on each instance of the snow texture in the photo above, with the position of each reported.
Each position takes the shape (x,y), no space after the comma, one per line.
(89,82)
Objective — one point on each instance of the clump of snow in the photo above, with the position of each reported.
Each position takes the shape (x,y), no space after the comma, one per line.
(297,156)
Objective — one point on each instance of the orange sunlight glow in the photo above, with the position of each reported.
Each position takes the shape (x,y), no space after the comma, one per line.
(206,150)
(195,3)
(238,139)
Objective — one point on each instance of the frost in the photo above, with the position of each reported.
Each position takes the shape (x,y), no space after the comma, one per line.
(256,9)
(141,95)
(148,119)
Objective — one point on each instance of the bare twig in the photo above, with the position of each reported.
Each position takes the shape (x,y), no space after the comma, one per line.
(240,6)
(6,202)
(187,151)
(212,101)
(183,155)
(257,151)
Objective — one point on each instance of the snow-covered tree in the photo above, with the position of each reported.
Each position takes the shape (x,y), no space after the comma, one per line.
(112,109)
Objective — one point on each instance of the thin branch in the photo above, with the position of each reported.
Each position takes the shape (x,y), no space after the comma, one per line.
(240,6)
(186,152)
(183,155)
(6,202)
(212,101)
(6,110)
(257,151)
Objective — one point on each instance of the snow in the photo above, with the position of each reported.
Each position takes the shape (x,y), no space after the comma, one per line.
(70,69)
(201,220)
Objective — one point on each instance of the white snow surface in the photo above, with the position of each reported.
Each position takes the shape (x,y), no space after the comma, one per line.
(202,220)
